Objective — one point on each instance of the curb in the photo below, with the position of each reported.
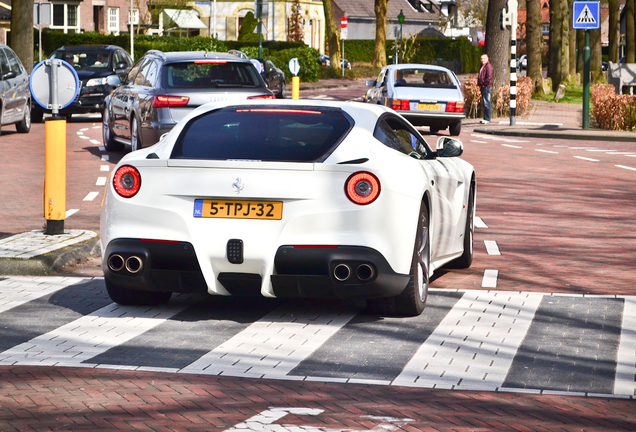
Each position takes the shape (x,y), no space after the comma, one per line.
(561,134)
(51,263)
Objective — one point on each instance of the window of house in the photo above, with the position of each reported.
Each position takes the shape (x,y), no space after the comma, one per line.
(135,17)
(113,19)
(66,17)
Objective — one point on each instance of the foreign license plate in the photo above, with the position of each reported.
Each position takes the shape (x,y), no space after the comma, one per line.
(231,209)
(429,107)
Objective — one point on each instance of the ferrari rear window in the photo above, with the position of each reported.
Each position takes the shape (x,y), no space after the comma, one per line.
(264,133)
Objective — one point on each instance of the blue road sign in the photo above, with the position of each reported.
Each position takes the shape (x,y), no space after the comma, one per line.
(586,15)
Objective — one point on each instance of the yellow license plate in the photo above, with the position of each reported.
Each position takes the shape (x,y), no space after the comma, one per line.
(232,209)
(429,107)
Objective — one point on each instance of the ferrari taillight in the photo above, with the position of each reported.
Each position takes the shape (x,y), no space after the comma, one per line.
(401,104)
(455,107)
(127,181)
(170,101)
(262,97)
(362,188)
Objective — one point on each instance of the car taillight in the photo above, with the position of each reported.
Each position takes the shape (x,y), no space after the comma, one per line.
(362,188)
(170,101)
(455,107)
(400,104)
(127,181)
(262,97)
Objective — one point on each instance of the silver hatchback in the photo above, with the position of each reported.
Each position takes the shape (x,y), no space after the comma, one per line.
(162,88)
(15,96)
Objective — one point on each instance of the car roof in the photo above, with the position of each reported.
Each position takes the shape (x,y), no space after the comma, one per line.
(417,65)
(196,55)
(89,47)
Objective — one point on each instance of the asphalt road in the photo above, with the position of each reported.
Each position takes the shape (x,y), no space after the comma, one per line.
(544,317)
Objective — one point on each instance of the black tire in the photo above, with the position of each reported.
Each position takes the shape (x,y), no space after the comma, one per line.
(37,115)
(135,140)
(283,92)
(25,125)
(466,259)
(434,130)
(412,300)
(129,297)
(455,129)
(107,135)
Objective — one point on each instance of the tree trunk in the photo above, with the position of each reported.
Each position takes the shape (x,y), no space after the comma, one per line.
(379,54)
(534,44)
(572,43)
(565,43)
(333,41)
(630,42)
(614,31)
(596,57)
(556,39)
(497,46)
(22,31)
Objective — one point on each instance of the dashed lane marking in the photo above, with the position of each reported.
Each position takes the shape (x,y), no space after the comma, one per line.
(105,157)
(625,167)
(490,279)
(104,168)
(546,151)
(101,181)
(479,142)
(511,146)
(71,212)
(586,159)
(91,196)
(491,247)
(479,223)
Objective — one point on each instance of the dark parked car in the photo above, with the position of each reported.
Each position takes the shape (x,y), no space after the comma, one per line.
(274,78)
(93,64)
(15,96)
(324,60)
(162,88)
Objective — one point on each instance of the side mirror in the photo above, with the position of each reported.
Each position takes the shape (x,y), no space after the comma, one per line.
(113,80)
(449,147)
(121,65)
(9,75)
(370,83)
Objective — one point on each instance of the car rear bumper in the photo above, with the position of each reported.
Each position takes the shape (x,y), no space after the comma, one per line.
(423,118)
(300,272)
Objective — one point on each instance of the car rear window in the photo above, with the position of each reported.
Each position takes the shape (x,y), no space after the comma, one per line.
(428,78)
(210,74)
(264,133)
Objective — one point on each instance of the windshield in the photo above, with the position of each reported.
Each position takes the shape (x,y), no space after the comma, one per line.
(429,78)
(85,60)
(263,133)
(210,74)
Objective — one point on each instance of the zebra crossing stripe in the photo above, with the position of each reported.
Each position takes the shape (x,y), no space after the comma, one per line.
(625,382)
(17,291)
(474,346)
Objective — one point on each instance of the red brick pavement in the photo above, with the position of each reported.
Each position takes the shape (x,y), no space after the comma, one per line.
(77,399)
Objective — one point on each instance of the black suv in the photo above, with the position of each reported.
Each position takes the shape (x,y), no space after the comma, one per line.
(162,88)
(93,64)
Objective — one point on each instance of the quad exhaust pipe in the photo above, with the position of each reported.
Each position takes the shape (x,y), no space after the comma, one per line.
(364,272)
(133,264)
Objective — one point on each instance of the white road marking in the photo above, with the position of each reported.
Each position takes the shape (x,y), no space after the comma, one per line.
(71,212)
(511,146)
(91,196)
(586,159)
(546,151)
(491,247)
(621,153)
(480,142)
(625,382)
(94,141)
(474,345)
(90,335)
(105,157)
(625,167)
(272,346)
(102,149)
(101,181)
(490,279)
(631,155)
(581,148)
(104,168)
(599,150)
(479,223)
(83,130)
(18,290)
(84,137)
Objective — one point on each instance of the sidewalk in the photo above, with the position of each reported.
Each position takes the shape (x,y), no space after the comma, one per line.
(34,253)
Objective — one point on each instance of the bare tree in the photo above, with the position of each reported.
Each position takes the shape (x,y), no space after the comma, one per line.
(22,31)
(497,45)
(596,57)
(564,56)
(379,54)
(534,43)
(614,30)
(296,33)
(333,40)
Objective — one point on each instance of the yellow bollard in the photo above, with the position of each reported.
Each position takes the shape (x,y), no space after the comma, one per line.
(55,175)
(295,87)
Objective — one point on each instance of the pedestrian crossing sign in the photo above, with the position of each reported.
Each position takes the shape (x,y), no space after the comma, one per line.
(586,15)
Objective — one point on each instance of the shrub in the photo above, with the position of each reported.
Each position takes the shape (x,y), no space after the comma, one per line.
(612,111)
(500,98)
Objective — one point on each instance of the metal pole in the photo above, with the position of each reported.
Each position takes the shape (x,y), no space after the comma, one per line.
(512,8)
(342,59)
(54,105)
(132,30)
(586,81)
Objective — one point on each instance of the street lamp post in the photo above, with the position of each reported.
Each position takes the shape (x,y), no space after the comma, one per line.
(401,20)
